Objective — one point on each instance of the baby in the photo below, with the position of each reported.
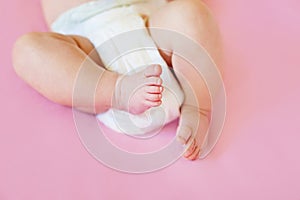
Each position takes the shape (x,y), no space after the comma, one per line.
(53,73)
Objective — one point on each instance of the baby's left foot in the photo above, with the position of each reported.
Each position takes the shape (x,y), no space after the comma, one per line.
(137,92)
(193,122)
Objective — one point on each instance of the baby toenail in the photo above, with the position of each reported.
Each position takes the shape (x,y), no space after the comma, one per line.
(181,140)
(158,81)
(156,68)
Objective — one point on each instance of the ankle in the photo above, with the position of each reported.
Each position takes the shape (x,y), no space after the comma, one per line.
(105,91)
(201,110)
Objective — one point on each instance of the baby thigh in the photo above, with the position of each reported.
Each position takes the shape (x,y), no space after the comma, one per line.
(49,62)
(192,19)
(188,17)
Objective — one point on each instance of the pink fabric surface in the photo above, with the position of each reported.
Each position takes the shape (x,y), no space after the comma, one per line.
(257,157)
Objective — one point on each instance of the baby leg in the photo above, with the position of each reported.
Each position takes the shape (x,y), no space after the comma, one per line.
(193,19)
(49,62)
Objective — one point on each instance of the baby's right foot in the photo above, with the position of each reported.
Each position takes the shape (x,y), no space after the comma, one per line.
(140,91)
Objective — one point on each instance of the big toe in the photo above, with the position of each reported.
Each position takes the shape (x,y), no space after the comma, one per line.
(153,70)
(154,81)
(184,134)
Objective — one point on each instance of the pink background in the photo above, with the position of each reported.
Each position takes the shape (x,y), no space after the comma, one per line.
(257,157)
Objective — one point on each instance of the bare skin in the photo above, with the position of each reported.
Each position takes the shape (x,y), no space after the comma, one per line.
(192,18)
(49,76)
(139,91)
(55,79)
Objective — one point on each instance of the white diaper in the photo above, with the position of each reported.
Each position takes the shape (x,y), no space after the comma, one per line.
(102,22)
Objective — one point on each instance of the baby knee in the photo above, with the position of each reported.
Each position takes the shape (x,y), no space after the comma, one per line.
(21,49)
(26,40)
(190,11)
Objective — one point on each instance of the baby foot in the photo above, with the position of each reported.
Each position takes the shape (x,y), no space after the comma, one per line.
(140,91)
(192,130)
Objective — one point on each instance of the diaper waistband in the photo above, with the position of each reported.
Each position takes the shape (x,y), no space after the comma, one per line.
(88,10)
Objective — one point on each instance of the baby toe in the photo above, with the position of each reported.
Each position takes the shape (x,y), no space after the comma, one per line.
(153,103)
(153,97)
(154,89)
(156,81)
(191,149)
(195,154)
(183,134)
(153,70)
